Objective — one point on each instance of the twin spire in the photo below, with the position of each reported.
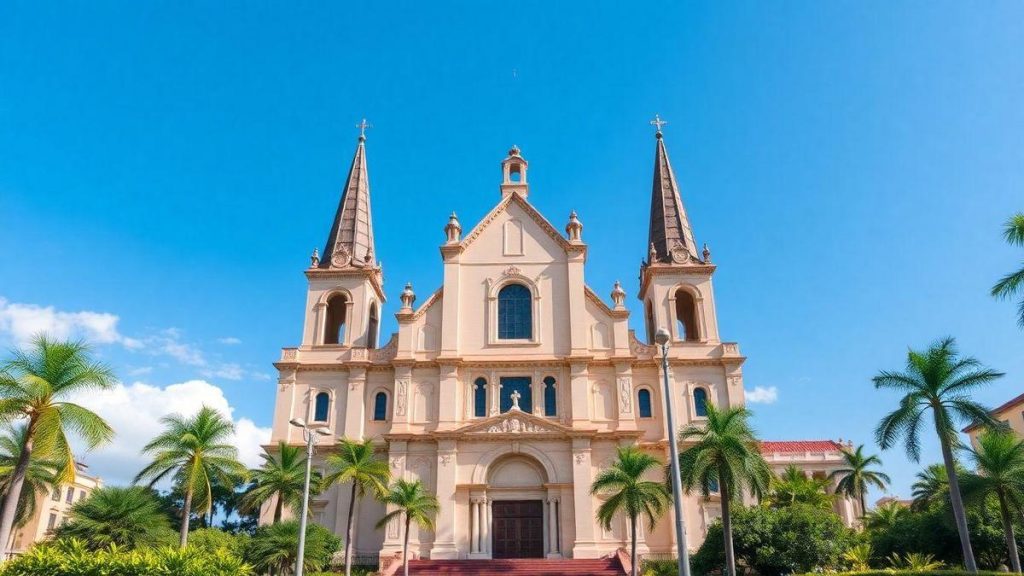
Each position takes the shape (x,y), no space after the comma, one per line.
(350,243)
(670,238)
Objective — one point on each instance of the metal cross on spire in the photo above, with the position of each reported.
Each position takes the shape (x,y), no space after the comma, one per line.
(362,128)
(658,123)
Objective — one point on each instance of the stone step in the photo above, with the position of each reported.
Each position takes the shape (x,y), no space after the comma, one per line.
(516,567)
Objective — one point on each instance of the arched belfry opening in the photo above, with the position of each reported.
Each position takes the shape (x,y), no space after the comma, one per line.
(334,327)
(686,316)
(373,327)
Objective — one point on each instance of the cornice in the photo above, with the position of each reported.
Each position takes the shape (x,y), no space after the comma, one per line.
(373,275)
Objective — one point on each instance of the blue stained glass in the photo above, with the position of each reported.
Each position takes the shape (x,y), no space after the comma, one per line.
(700,402)
(643,401)
(322,407)
(520,384)
(380,407)
(480,398)
(550,398)
(515,317)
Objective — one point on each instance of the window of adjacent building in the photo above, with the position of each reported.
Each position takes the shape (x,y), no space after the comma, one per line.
(81,495)
(686,316)
(322,407)
(480,398)
(643,403)
(713,485)
(550,397)
(334,327)
(52,522)
(700,402)
(56,495)
(373,328)
(380,407)
(515,318)
(516,384)
(71,495)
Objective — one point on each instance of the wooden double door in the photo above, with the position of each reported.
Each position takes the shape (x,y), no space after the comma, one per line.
(518,528)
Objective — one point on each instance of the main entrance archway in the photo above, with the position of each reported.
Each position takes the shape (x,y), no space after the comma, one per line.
(518,528)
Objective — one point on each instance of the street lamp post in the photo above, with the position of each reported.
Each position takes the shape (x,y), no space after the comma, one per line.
(662,338)
(309,435)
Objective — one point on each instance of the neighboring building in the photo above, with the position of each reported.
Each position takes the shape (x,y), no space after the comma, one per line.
(1010,413)
(508,388)
(52,509)
(817,459)
(886,500)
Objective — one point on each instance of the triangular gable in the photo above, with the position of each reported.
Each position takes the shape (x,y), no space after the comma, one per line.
(530,211)
(515,421)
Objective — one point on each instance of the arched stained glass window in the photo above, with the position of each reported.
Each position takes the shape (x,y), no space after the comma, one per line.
(550,397)
(322,407)
(380,407)
(480,398)
(515,315)
(700,402)
(643,403)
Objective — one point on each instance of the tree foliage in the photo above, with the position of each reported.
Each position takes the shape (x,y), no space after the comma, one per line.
(129,518)
(276,547)
(1013,283)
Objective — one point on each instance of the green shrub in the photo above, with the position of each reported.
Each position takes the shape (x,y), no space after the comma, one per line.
(659,568)
(912,573)
(73,558)
(276,547)
(212,539)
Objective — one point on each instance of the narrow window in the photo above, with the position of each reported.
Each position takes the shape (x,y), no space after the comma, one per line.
(480,398)
(550,397)
(380,407)
(322,407)
(515,316)
(520,386)
(686,316)
(334,327)
(713,485)
(643,403)
(81,495)
(700,402)
(52,522)
(373,328)
(70,495)
(56,495)
(650,323)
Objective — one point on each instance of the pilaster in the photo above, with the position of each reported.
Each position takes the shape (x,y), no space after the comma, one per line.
(400,412)
(444,538)
(355,406)
(579,381)
(624,395)
(585,545)
(397,458)
(448,392)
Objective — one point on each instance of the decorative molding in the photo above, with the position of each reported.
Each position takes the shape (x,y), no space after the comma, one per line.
(428,303)
(639,349)
(401,397)
(625,394)
(388,352)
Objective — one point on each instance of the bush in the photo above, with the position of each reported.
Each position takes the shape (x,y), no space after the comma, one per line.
(73,558)
(211,540)
(912,573)
(276,546)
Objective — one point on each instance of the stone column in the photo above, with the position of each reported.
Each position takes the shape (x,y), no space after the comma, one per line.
(480,508)
(488,545)
(553,551)
(583,503)
(355,406)
(444,540)
(474,526)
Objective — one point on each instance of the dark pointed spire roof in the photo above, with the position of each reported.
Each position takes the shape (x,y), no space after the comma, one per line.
(350,243)
(670,238)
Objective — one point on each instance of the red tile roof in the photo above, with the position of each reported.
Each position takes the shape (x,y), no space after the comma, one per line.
(1003,408)
(776,446)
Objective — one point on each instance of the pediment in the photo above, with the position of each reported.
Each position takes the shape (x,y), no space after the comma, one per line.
(544,226)
(514,422)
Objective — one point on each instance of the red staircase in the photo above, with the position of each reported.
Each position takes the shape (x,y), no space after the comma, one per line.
(517,567)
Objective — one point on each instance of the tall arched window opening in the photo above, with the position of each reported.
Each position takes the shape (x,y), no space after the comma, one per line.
(550,397)
(380,407)
(480,398)
(700,402)
(322,407)
(643,403)
(515,314)
(650,323)
(686,316)
(334,327)
(373,327)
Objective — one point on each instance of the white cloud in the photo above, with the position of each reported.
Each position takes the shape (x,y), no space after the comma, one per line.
(762,395)
(23,321)
(168,342)
(229,340)
(228,371)
(134,411)
(140,371)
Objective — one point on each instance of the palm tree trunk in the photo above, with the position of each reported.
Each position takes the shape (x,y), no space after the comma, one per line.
(348,531)
(730,555)
(186,512)
(1011,542)
(954,494)
(405,547)
(10,503)
(863,505)
(632,551)
(279,508)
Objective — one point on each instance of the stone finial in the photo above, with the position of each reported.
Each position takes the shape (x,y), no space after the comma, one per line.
(652,254)
(369,255)
(574,229)
(619,296)
(707,254)
(314,259)
(407,297)
(453,230)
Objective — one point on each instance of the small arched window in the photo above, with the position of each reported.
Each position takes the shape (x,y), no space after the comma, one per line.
(380,407)
(713,485)
(650,323)
(643,403)
(700,402)
(686,316)
(480,398)
(550,397)
(321,407)
(515,315)
(373,327)
(334,327)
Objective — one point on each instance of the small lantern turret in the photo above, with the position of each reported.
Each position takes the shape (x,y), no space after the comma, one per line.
(574,229)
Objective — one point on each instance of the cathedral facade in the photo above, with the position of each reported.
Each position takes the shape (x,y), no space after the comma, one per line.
(507,389)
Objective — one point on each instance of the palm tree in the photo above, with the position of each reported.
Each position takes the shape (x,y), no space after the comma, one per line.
(885,516)
(629,493)
(274,548)
(409,500)
(726,453)
(40,477)
(857,475)
(939,380)
(34,387)
(795,487)
(999,461)
(931,486)
(131,517)
(1013,283)
(354,462)
(196,452)
(280,478)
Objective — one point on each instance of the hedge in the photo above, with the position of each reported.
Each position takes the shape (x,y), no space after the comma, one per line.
(912,573)
(72,559)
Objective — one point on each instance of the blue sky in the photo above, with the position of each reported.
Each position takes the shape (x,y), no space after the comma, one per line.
(171,166)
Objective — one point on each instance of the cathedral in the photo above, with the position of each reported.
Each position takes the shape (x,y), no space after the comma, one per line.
(509,387)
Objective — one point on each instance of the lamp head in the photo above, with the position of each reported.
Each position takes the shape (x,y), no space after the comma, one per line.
(297,422)
(661,336)
(322,431)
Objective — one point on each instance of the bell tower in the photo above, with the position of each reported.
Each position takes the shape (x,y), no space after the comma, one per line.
(675,282)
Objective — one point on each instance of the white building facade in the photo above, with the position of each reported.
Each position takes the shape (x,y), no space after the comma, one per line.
(507,389)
